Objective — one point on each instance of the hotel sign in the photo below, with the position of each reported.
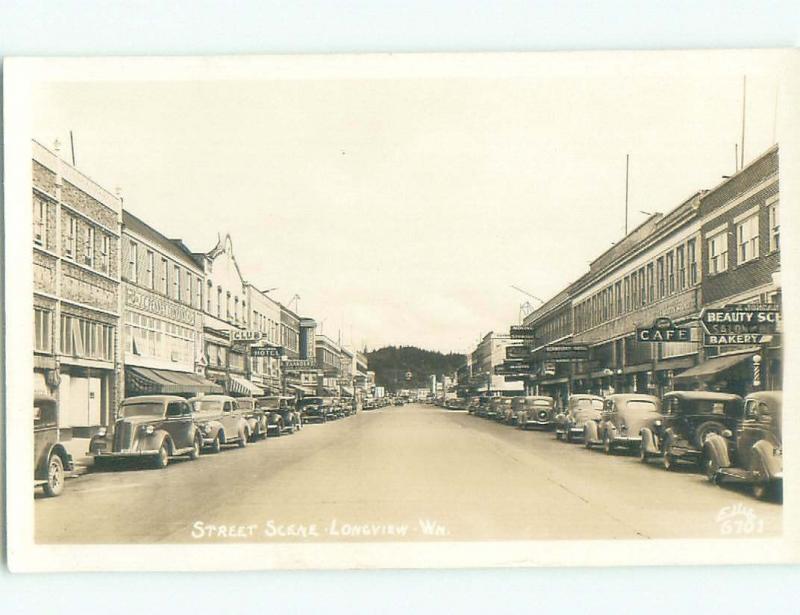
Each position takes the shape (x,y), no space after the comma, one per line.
(266,351)
(739,324)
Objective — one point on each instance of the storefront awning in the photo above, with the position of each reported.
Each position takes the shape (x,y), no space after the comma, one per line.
(712,367)
(347,391)
(330,392)
(147,381)
(242,386)
(301,389)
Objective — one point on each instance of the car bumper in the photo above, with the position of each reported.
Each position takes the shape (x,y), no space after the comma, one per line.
(537,422)
(123,454)
(627,439)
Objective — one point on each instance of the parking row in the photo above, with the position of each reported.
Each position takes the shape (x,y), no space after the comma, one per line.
(726,437)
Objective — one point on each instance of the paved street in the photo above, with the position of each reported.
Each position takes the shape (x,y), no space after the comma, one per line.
(416,470)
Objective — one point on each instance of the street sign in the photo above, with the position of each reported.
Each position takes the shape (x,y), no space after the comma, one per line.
(517,352)
(522,331)
(245,336)
(566,352)
(522,378)
(266,351)
(739,324)
(663,330)
(300,364)
(509,369)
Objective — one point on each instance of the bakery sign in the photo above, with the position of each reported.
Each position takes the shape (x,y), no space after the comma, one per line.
(739,324)
(153,304)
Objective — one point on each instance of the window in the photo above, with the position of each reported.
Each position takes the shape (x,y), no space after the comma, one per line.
(642,287)
(228,306)
(198,300)
(151,273)
(662,280)
(670,273)
(236,309)
(747,239)
(39,221)
(718,253)
(651,289)
(86,338)
(133,261)
(634,290)
(42,327)
(208,297)
(627,294)
(680,255)
(774,227)
(89,255)
(691,257)
(104,246)
(72,232)
(176,284)
(618,298)
(164,276)
(188,290)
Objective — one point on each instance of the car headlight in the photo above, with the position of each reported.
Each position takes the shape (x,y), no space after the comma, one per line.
(657,423)
(149,429)
(101,433)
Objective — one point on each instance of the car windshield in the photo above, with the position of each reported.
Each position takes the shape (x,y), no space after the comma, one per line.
(142,409)
(309,401)
(711,406)
(269,402)
(207,405)
(640,405)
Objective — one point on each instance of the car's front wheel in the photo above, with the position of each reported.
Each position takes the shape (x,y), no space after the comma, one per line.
(668,460)
(643,454)
(55,477)
(244,436)
(162,458)
(196,446)
(607,448)
(216,445)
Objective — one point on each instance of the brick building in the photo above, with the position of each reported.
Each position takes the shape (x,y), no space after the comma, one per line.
(76,278)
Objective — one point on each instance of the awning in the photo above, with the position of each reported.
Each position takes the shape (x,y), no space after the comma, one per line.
(242,386)
(302,389)
(145,381)
(330,392)
(347,391)
(713,366)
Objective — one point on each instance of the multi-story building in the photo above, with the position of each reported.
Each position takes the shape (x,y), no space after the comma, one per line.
(489,353)
(226,311)
(265,317)
(290,333)
(162,298)
(76,278)
(329,364)
(741,265)
(346,372)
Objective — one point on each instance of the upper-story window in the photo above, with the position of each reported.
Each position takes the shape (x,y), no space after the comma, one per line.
(236,309)
(662,279)
(774,227)
(133,261)
(691,258)
(188,290)
(88,257)
(151,270)
(198,300)
(670,273)
(627,294)
(164,286)
(680,256)
(208,297)
(747,239)
(651,288)
(39,221)
(244,312)
(176,283)
(104,252)
(228,313)
(72,233)
(718,252)
(219,301)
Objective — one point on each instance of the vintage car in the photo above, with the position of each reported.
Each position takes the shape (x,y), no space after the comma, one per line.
(220,421)
(687,419)
(155,427)
(313,409)
(454,403)
(753,454)
(495,409)
(536,411)
(282,414)
(621,423)
(473,404)
(255,416)
(581,407)
(370,404)
(399,401)
(51,461)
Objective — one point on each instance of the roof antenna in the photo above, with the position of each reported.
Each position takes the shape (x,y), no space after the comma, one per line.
(744,103)
(72,146)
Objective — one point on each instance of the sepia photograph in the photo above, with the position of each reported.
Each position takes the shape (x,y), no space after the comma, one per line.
(398,310)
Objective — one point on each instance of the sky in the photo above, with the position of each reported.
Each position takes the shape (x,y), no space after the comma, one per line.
(401,210)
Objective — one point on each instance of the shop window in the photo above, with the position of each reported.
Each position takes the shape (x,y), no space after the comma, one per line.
(774,227)
(718,252)
(747,239)
(42,329)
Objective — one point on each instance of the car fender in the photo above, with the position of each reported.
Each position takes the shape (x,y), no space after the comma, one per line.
(155,441)
(649,441)
(768,464)
(41,470)
(716,448)
(214,428)
(610,429)
(590,429)
(106,439)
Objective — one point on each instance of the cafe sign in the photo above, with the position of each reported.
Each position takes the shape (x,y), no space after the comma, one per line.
(739,324)
(664,330)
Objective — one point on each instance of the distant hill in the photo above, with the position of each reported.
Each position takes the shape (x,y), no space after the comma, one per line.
(392,363)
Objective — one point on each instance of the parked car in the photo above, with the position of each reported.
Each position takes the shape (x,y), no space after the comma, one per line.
(220,421)
(753,454)
(313,409)
(623,418)
(495,410)
(581,407)
(688,418)
(507,411)
(484,403)
(51,461)
(455,403)
(399,401)
(472,404)
(536,411)
(282,414)
(255,416)
(154,427)
(370,404)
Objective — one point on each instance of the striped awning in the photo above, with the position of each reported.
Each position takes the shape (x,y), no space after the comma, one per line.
(347,391)
(242,386)
(147,381)
(301,389)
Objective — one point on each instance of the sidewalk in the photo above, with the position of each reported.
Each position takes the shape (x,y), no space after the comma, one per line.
(77,447)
